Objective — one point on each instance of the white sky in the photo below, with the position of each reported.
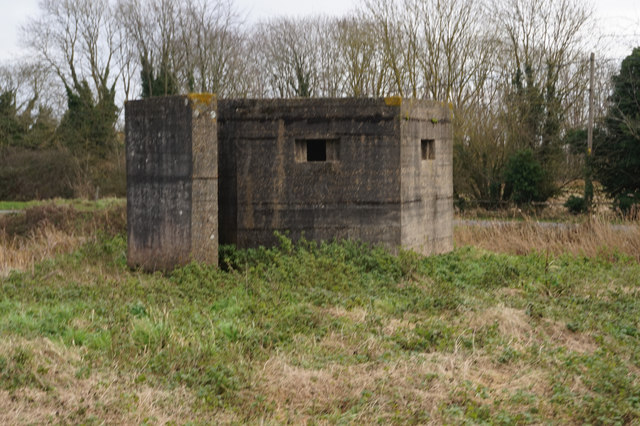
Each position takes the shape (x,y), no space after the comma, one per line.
(257,10)
(620,19)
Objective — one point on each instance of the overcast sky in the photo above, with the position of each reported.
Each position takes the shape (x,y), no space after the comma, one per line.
(620,18)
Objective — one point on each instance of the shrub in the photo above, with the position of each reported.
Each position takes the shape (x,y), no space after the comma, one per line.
(29,174)
(524,178)
(576,205)
(109,176)
(627,204)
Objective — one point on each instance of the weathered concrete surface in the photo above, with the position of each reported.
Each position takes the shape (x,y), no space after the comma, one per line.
(371,183)
(427,181)
(172,186)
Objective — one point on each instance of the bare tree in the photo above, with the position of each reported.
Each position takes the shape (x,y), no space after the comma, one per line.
(255,81)
(127,60)
(210,42)
(184,45)
(289,56)
(77,39)
(26,116)
(360,58)
(455,50)
(548,39)
(34,86)
(544,48)
(395,43)
(152,28)
(330,72)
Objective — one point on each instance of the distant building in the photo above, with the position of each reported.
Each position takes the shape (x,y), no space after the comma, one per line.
(200,173)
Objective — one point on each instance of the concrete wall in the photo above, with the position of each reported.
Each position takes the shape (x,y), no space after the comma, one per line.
(373,184)
(427,177)
(172,187)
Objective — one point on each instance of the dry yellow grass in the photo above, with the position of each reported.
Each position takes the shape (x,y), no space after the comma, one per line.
(515,325)
(422,383)
(65,396)
(46,231)
(20,253)
(593,238)
(296,391)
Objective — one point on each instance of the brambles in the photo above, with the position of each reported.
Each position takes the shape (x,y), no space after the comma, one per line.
(27,174)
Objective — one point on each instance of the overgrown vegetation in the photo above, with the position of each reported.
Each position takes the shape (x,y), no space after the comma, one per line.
(27,174)
(334,332)
(45,230)
(525,179)
(576,205)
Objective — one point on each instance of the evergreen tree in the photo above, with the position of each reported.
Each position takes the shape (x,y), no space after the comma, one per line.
(162,83)
(11,131)
(29,126)
(524,178)
(88,126)
(617,146)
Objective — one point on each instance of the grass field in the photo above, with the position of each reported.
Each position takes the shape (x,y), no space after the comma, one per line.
(332,333)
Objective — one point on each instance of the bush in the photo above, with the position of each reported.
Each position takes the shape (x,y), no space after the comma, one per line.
(111,175)
(36,174)
(524,178)
(627,204)
(105,178)
(576,205)
(111,220)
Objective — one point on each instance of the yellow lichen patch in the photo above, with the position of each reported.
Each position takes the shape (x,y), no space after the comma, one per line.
(203,103)
(201,98)
(393,100)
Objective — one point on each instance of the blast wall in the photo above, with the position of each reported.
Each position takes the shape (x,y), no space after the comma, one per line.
(172,185)
(427,177)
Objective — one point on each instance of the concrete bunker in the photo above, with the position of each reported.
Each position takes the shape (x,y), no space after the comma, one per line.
(375,170)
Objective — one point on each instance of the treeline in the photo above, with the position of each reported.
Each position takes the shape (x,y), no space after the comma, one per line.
(514,71)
